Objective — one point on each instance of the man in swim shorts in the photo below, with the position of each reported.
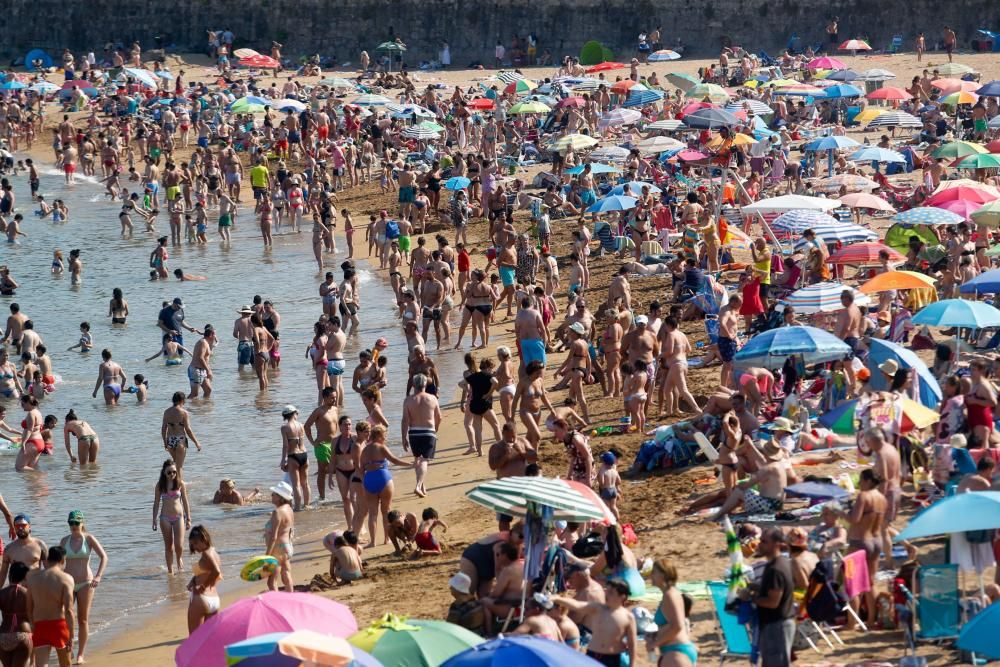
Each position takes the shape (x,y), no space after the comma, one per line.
(421,420)
(243,333)
(324,419)
(51,600)
(529,330)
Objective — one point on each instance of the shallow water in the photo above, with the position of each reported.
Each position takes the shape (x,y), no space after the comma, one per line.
(238,427)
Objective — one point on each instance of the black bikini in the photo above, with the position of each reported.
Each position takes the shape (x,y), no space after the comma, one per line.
(348,474)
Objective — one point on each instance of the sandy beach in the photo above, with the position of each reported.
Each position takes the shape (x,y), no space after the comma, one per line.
(418,587)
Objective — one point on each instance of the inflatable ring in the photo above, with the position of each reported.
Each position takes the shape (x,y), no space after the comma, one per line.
(259,567)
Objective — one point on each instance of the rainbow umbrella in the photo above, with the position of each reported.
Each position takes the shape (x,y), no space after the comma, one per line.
(712,91)
(960,97)
(521,86)
(396,641)
(736,578)
(955,149)
(291,649)
(842,420)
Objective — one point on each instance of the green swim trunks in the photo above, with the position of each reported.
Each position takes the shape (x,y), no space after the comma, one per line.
(173,192)
(404,243)
(154,153)
(323,451)
(225,221)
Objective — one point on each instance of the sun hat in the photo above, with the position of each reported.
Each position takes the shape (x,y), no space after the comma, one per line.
(461,582)
(289,410)
(578,328)
(797,537)
(772,451)
(246,310)
(283,489)
(783,424)
(958,441)
(889,367)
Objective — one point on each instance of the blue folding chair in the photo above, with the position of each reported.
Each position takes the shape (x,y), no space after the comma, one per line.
(735,635)
(935,610)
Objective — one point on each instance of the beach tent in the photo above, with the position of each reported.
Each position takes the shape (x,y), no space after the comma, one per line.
(37,54)
(591,53)
(898,236)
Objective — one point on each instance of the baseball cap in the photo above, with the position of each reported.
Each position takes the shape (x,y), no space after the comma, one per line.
(22,518)
(608,458)
(641,320)
(289,410)
(76,516)
(178,302)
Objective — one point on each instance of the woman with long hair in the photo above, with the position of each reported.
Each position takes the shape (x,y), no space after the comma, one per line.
(294,458)
(79,545)
(207,570)
(172,512)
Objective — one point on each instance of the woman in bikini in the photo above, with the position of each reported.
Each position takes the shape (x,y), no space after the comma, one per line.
(634,392)
(294,459)
(15,628)
(172,513)
(87,442)
(32,443)
(79,545)
(346,462)
(10,385)
(317,354)
(207,570)
(112,377)
(176,430)
(377,482)
(480,406)
(530,396)
(278,534)
(577,366)
(263,341)
(506,382)
(672,639)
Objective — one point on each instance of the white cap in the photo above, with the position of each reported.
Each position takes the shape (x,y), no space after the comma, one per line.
(283,489)
(641,320)
(461,582)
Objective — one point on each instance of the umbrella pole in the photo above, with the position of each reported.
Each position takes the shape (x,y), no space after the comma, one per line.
(763,222)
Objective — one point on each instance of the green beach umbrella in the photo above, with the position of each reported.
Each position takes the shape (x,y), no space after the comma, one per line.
(954,149)
(712,91)
(391,46)
(683,81)
(529,107)
(429,125)
(988,215)
(243,106)
(898,236)
(984,161)
(396,641)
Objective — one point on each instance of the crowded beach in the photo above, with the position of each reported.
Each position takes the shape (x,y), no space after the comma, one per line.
(700,355)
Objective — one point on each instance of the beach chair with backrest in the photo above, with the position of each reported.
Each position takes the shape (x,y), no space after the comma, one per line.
(896,45)
(733,634)
(935,608)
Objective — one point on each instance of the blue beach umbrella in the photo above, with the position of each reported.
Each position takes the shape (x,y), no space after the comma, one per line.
(635,187)
(880,351)
(457,183)
(958,313)
(980,634)
(984,283)
(44,87)
(955,514)
(876,154)
(613,203)
(12,85)
(638,98)
(595,168)
(841,91)
(991,89)
(831,143)
(771,348)
(927,215)
(522,651)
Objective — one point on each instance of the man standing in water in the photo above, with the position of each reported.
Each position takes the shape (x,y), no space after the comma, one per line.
(15,325)
(243,332)
(171,321)
(324,418)
(336,341)
(50,607)
(421,419)
(200,372)
(24,549)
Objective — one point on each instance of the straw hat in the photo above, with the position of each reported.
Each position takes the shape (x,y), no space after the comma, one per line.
(797,537)
(772,451)
(783,424)
(889,367)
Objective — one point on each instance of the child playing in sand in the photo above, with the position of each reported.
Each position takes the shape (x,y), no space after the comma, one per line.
(609,483)
(345,562)
(424,539)
(635,394)
(401,529)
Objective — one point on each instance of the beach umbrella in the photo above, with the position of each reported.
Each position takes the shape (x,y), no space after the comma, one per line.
(44,87)
(457,183)
(690,155)
(391,46)
(960,97)
(711,119)
(512,495)
(663,55)
(965,185)
(397,641)
(245,53)
(638,98)
(572,102)
(613,203)
(965,193)
(610,154)
(855,45)
(520,87)
(953,69)
(979,634)
(991,89)
(852,182)
(866,200)
(771,348)
(520,651)
(785,203)
(13,84)
(842,420)
(840,232)
(821,298)
(830,143)
(621,117)
(896,119)
(898,236)
(826,62)
(798,220)
(948,86)
(274,611)
(960,513)
(246,105)
(842,91)
(291,649)
(987,282)
(985,161)
(927,215)
(336,82)
(591,495)
(286,105)
(988,215)
(75,83)
(876,74)
(369,100)
(529,107)
(896,280)
(583,84)
(880,351)
(993,146)
(683,81)
(843,75)
(756,106)
(958,313)
(799,89)
(738,139)
(260,61)
(957,149)
(595,168)
(876,154)
(960,207)
(712,91)
(870,114)
(889,93)
(604,67)
(669,125)
(421,133)
(576,141)
(143,76)
(861,254)
(622,87)
(482,104)
(509,76)
(635,187)
(659,144)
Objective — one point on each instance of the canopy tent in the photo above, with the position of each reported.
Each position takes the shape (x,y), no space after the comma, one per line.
(37,55)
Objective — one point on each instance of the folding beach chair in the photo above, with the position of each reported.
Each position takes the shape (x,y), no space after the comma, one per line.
(652,249)
(734,634)
(766,60)
(935,609)
(896,45)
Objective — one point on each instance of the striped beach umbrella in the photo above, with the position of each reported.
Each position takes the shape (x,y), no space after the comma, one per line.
(509,76)
(668,125)
(520,87)
(511,495)
(861,254)
(842,420)
(796,222)
(954,69)
(659,144)
(852,182)
(617,117)
(822,298)
(337,82)
(896,119)
(927,215)
(369,100)
(771,348)
(755,106)
(421,133)
(638,98)
(842,232)
(711,119)
(577,141)
(663,55)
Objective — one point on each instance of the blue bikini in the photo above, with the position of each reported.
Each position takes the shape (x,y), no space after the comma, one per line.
(687,648)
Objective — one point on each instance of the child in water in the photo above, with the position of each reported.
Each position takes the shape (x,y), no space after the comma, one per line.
(58,266)
(171,350)
(86,342)
(140,388)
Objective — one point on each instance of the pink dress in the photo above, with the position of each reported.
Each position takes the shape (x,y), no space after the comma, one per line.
(752,305)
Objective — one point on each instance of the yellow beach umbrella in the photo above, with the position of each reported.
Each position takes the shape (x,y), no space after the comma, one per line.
(870,114)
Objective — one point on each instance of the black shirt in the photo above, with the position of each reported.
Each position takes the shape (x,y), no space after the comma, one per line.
(479,386)
(777,575)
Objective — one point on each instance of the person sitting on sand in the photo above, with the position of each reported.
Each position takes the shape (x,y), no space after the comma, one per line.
(229,495)
(465,611)
(424,539)
(345,562)
(506,592)
(764,491)
(401,530)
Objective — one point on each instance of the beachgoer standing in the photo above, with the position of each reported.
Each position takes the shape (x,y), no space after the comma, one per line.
(50,598)
(324,418)
(421,420)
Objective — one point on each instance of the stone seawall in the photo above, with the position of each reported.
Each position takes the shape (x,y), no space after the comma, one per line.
(472,27)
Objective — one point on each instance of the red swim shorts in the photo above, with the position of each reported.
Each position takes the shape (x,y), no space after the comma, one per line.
(69,168)
(54,633)
(426,542)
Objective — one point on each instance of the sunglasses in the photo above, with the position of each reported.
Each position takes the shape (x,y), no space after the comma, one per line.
(73,523)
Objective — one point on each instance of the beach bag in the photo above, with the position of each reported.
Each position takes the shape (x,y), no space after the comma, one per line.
(824,600)
(629,537)
(588,546)
(392,230)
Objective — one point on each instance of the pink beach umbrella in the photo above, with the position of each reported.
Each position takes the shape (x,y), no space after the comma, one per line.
(855,45)
(273,611)
(962,207)
(826,62)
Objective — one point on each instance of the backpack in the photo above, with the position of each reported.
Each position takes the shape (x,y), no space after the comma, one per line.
(391,229)
(824,600)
